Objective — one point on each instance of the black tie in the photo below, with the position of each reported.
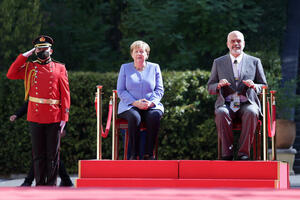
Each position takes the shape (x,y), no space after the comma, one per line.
(236,73)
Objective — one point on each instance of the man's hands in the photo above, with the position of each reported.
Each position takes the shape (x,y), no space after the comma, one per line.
(28,53)
(143,104)
(13,118)
(249,83)
(62,126)
(222,83)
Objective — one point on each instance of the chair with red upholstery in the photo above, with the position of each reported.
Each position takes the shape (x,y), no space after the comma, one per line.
(119,124)
(256,145)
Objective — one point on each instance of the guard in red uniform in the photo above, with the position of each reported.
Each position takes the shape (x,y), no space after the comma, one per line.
(47,89)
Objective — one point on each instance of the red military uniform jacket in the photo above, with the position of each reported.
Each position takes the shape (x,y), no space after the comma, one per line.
(48,81)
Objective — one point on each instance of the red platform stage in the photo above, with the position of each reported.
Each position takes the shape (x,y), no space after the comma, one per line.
(183,174)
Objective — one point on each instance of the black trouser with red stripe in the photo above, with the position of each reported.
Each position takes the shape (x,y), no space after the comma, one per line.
(45,140)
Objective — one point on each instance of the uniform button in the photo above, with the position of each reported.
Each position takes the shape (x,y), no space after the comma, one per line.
(51,76)
(50,82)
(50,93)
(51,71)
(36,110)
(36,93)
(50,110)
(35,67)
(35,81)
(37,104)
(50,88)
(36,88)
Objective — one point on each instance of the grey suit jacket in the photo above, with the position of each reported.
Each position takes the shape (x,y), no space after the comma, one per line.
(251,69)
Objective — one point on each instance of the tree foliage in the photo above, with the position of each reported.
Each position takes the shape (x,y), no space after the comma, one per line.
(94,35)
(187,33)
(85,33)
(20,23)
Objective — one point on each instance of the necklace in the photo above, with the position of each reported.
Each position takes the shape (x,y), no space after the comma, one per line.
(140,68)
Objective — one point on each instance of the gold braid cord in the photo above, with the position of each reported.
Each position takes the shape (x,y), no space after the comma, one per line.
(27,81)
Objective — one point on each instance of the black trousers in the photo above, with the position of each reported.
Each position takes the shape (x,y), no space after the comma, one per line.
(45,140)
(135,116)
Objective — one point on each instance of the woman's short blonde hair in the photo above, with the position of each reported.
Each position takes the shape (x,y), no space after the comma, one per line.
(140,44)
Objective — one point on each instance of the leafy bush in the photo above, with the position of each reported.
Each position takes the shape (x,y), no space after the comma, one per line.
(187,129)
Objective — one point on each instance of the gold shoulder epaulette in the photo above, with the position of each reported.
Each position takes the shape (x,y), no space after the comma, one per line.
(58,62)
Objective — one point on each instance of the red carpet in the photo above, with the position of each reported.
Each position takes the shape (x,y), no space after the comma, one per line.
(18,193)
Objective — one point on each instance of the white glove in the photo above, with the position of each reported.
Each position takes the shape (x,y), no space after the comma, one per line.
(62,126)
(13,118)
(28,53)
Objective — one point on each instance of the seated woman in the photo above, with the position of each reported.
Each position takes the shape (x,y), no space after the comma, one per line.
(140,89)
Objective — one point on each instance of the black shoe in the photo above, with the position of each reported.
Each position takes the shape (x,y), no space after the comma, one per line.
(132,158)
(26,184)
(66,183)
(243,157)
(227,158)
(148,157)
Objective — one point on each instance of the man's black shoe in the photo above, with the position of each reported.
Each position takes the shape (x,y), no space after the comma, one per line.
(25,184)
(148,157)
(66,183)
(243,157)
(132,158)
(227,157)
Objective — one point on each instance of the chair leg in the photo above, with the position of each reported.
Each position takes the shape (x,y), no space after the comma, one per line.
(219,148)
(259,145)
(126,145)
(254,147)
(115,151)
(117,144)
(156,149)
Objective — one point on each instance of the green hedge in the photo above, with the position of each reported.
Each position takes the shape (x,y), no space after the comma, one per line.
(187,130)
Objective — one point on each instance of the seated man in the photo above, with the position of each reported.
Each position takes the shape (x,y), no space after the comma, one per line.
(237,79)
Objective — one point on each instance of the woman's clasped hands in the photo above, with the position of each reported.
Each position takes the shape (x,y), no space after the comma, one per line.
(143,104)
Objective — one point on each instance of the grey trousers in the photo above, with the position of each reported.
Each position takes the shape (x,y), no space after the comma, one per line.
(224,117)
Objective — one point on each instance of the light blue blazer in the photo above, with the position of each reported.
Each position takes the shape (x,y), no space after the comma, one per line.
(134,85)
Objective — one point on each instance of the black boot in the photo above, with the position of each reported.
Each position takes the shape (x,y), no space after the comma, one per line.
(26,183)
(148,157)
(29,179)
(64,176)
(66,183)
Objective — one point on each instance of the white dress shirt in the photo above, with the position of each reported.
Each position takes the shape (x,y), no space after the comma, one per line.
(237,68)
